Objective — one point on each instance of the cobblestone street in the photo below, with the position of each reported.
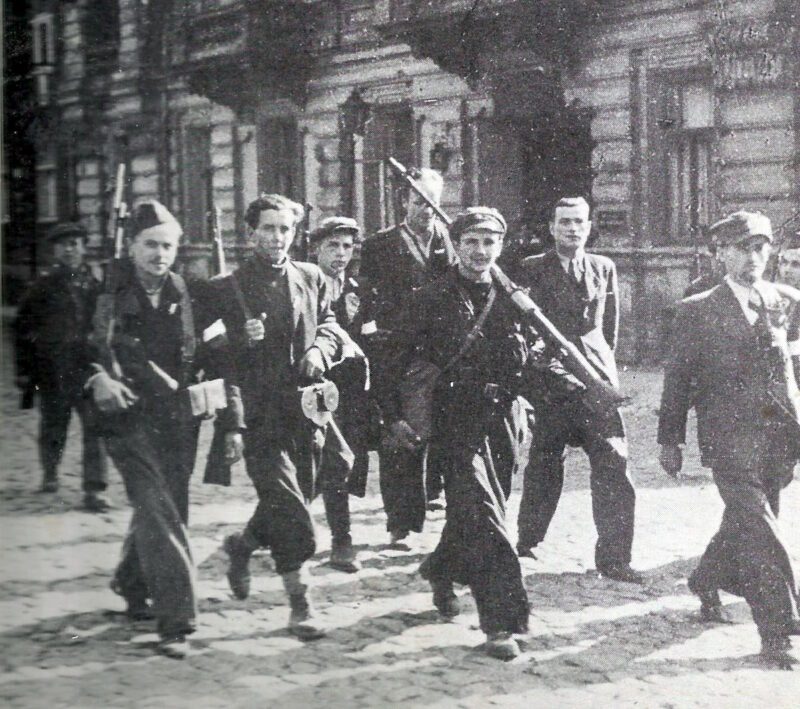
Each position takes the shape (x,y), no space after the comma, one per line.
(64,641)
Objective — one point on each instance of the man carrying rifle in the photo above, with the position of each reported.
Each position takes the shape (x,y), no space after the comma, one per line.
(282,335)
(467,333)
(144,343)
(395,264)
(51,330)
(579,293)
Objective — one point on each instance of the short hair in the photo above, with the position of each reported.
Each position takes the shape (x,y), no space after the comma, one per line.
(272,201)
(416,173)
(569,202)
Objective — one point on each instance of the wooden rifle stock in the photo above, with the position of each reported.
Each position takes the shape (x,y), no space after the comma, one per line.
(600,395)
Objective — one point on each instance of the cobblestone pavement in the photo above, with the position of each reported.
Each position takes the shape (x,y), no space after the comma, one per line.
(593,643)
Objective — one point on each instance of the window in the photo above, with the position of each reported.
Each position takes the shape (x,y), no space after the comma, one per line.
(682,125)
(47,185)
(279,169)
(197,182)
(44,56)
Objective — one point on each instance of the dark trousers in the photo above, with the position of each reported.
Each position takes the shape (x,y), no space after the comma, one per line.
(152,458)
(613,496)
(402,481)
(283,469)
(56,411)
(747,557)
(475,548)
(337,462)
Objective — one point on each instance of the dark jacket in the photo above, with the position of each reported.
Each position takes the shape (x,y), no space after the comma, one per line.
(586,313)
(52,326)
(310,323)
(737,382)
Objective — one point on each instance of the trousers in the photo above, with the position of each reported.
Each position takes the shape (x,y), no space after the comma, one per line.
(55,413)
(156,559)
(475,548)
(747,557)
(613,495)
(283,469)
(402,483)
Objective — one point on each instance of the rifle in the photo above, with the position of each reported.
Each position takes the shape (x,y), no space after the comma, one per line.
(218,256)
(300,248)
(120,355)
(599,395)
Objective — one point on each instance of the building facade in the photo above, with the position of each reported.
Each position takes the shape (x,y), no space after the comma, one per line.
(665,113)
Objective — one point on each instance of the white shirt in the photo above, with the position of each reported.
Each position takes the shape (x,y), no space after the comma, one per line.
(335,285)
(579,259)
(743,295)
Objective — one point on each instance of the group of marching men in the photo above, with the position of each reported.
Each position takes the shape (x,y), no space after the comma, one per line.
(438,371)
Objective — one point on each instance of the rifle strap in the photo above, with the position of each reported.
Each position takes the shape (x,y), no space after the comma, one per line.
(239,295)
(474,332)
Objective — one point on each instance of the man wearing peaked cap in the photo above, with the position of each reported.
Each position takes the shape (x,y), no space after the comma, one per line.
(51,329)
(729,360)
(466,333)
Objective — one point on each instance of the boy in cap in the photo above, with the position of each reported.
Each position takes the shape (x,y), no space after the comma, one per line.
(729,360)
(149,432)
(51,329)
(467,330)
(332,245)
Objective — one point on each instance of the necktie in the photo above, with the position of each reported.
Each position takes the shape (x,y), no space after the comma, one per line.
(574,271)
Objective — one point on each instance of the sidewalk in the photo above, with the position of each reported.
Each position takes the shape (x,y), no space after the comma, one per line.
(594,643)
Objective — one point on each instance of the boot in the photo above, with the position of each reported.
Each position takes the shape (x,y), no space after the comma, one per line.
(776,652)
(303,623)
(343,557)
(501,646)
(239,569)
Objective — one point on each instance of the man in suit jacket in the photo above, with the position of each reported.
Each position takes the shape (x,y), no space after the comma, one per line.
(51,329)
(579,293)
(395,264)
(729,360)
(282,334)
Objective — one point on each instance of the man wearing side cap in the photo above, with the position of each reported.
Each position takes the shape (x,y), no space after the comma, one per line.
(282,334)
(729,360)
(579,293)
(466,331)
(332,245)
(395,264)
(51,329)
(147,431)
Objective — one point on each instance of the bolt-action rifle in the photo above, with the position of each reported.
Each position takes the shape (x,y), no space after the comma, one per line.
(599,395)
(120,355)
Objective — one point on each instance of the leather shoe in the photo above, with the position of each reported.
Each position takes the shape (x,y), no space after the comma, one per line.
(445,599)
(794,627)
(176,647)
(94,501)
(622,572)
(302,619)
(714,613)
(239,567)
(501,646)
(343,558)
(526,552)
(396,540)
(776,652)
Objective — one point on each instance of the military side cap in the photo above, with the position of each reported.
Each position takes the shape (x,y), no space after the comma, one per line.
(66,231)
(334,225)
(149,214)
(480,219)
(739,226)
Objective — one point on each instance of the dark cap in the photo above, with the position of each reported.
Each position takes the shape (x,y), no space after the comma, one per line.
(66,231)
(334,225)
(478,218)
(740,226)
(150,213)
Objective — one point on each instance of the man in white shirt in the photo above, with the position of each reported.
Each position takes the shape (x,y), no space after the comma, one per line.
(729,360)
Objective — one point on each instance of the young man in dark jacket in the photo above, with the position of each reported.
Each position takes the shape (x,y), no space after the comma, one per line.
(51,330)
